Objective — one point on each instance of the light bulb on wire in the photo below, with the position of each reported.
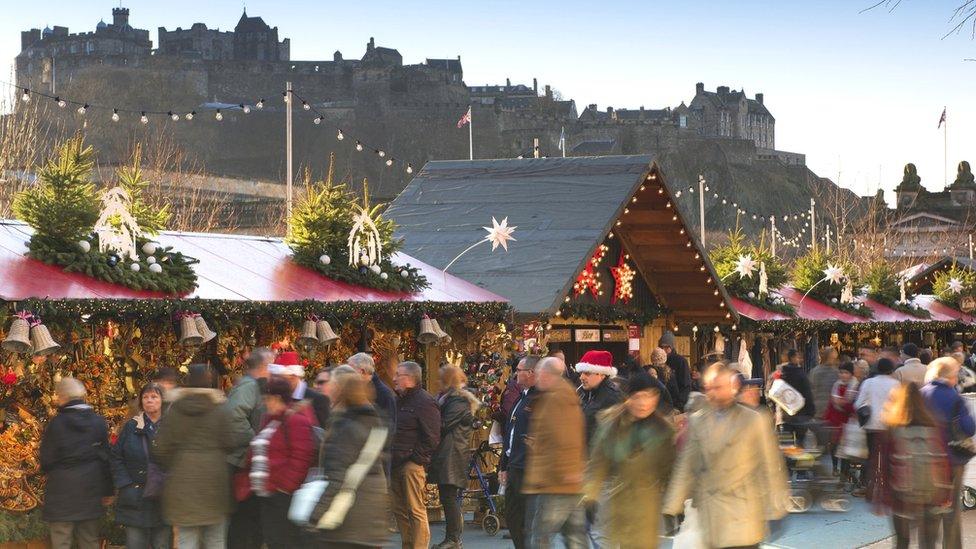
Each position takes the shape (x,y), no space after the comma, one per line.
(359,146)
(115,115)
(317,121)
(219,116)
(409,168)
(144,119)
(175,117)
(339,136)
(260,104)
(26,96)
(381,153)
(284,96)
(246,108)
(306,106)
(389,161)
(61,102)
(189,115)
(83,109)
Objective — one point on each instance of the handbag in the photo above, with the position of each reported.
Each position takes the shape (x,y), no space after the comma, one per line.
(864,415)
(853,441)
(962,446)
(155,476)
(786,397)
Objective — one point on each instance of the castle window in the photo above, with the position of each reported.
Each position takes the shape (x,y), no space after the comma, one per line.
(683,121)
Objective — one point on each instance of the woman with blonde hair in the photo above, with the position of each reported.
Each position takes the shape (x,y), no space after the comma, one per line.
(449,466)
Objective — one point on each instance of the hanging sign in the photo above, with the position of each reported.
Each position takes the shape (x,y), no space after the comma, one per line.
(560,335)
(587,335)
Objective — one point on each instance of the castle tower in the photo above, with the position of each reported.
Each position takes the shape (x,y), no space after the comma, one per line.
(120,17)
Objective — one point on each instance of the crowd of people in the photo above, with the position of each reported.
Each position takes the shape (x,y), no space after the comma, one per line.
(601,456)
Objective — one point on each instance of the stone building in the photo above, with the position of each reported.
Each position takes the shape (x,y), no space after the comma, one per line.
(251,39)
(926,223)
(729,113)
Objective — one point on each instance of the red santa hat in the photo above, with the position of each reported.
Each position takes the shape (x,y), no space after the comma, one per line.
(597,362)
(288,363)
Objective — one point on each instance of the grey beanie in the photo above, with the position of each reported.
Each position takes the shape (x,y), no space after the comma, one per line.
(667,340)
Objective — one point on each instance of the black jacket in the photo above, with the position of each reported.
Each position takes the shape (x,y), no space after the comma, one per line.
(129,464)
(75,458)
(418,428)
(320,405)
(796,376)
(450,462)
(386,405)
(602,397)
(681,374)
(516,429)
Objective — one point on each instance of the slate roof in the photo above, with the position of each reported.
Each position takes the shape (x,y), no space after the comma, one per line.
(449,65)
(594,147)
(562,207)
(250,24)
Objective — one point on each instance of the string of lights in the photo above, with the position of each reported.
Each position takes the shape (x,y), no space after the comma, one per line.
(727,201)
(84,107)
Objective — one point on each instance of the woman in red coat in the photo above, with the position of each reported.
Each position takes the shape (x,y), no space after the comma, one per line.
(279,459)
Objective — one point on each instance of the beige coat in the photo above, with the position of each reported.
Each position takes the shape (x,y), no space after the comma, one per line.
(556,444)
(732,469)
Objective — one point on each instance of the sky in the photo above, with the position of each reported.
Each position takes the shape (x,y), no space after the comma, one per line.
(859,93)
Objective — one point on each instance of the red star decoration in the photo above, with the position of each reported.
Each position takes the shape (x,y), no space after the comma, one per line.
(623,277)
(589,278)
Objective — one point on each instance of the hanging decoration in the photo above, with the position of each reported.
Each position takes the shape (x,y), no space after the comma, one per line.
(67,216)
(763,281)
(499,234)
(737,258)
(887,287)
(952,284)
(357,248)
(623,277)
(745,265)
(589,278)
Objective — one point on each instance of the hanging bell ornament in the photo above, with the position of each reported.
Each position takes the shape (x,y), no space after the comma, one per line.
(189,335)
(442,336)
(324,333)
(428,332)
(18,337)
(205,332)
(308,337)
(42,341)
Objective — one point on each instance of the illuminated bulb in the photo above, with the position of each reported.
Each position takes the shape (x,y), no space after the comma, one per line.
(715,195)
(660,191)
(687,244)
(306,106)
(409,168)
(709,280)
(259,104)
(26,97)
(721,304)
(174,116)
(626,211)
(61,102)
(706,187)
(678,194)
(339,136)
(115,115)
(144,119)
(83,109)
(702,268)
(674,218)
(753,216)
(359,146)
(715,292)
(610,235)
(724,201)
(618,223)
(284,96)
(715,329)
(682,231)
(668,205)
(189,115)
(642,187)
(567,299)
(246,108)
(318,120)
(559,313)
(219,116)
(389,161)
(381,153)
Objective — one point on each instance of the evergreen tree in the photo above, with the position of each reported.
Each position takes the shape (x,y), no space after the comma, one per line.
(151,219)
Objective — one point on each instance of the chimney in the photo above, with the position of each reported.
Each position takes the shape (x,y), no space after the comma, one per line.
(610,111)
(548,92)
(371,44)
(723,90)
(337,56)
(535,86)
(591,107)
(508,82)
(120,17)
(759,98)
(699,88)
(640,116)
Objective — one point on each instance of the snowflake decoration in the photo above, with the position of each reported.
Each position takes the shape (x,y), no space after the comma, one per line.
(623,276)
(955,285)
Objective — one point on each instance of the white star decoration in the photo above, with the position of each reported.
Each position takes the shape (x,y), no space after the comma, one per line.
(499,233)
(833,274)
(955,285)
(745,265)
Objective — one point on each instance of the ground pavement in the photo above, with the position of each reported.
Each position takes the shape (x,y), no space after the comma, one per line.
(816,528)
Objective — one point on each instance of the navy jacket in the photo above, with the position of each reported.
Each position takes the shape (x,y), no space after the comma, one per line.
(129,464)
(74,456)
(945,404)
(516,429)
(387,407)
(681,374)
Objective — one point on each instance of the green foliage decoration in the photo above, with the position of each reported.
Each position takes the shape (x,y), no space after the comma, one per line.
(940,284)
(808,277)
(725,258)
(884,287)
(151,219)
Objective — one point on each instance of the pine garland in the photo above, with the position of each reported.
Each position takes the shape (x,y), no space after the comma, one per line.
(724,259)
(607,314)
(940,285)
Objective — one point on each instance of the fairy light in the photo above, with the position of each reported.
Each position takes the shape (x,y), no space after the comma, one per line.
(83,109)
(26,96)
(190,115)
(306,106)
(219,116)
(144,119)
(61,102)
(381,153)
(175,117)
(339,135)
(389,161)
(317,120)
(359,146)
(246,108)
(115,115)
(409,168)
(260,104)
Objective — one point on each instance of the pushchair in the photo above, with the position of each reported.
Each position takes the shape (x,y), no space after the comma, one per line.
(810,479)
(483,469)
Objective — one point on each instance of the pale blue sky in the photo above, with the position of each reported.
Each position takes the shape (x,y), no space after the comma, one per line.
(860,94)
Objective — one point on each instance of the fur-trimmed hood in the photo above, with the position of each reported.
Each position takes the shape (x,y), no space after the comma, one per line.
(195,400)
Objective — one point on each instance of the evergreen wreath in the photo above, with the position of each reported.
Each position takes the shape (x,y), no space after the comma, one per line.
(63,208)
(318,233)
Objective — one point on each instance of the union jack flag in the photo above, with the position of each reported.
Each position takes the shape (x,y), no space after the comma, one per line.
(465,119)
(942,118)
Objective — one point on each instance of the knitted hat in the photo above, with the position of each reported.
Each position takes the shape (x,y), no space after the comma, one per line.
(597,362)
(847,367)
(287,364)
(667,340)
(659,356)
(642,382)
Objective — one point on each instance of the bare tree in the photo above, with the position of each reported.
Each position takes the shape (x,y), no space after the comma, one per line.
(964,14)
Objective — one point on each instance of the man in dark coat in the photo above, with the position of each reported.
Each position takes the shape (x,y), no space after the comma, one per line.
(384,398)
(288,365)
(75,458)
(680,371)
(511,467)
(418,432)
(794,374)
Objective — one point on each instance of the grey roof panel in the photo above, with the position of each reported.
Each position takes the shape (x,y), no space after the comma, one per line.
(562,207)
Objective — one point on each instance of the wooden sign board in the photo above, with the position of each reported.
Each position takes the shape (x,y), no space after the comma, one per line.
(587,335)
(615,335)
(967,304)
(560,335)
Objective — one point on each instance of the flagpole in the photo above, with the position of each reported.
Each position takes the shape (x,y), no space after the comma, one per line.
(470,133)
(945,151)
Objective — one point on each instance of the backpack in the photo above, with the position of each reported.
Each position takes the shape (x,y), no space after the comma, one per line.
(920,469)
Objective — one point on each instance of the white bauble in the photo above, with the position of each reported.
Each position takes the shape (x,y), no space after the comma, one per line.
(135,267)
(833,300)
(155,268)
(324,259)
(375,269)
(149,248)
(384,276)
(151,259)
(404,273)
(84,245)
(752,295)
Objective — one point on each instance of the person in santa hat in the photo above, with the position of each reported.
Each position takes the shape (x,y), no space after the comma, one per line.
(596,393)
(288,365)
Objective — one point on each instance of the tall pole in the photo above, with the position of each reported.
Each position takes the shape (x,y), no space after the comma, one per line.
(701,207)
(970,246)
(813,224)
(470,133)
(288,149)
(772,230)
(828,239)
(945,151)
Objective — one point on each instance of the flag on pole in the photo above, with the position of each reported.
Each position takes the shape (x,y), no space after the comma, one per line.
(465,119)
(562,139)
(942,118)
